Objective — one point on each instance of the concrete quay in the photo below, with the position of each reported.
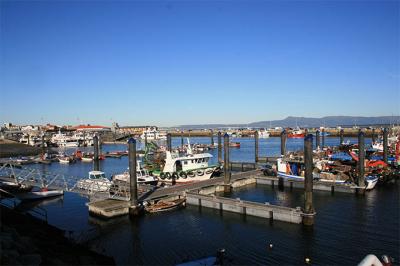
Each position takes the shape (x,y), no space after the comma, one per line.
(262,210)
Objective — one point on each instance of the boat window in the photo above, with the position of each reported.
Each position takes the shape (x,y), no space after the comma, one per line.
(185,162)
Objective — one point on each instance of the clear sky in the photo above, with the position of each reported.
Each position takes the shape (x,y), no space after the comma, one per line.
(188,62)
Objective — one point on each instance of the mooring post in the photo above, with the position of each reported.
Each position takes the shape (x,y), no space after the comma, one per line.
(134,208)
(42,146)
(373,136)
(317,139)
(219,147)
(309,213)
(212,137)
(256,146)
(385,145)
(100,147)
(341,134)
(169,144)
(323,138)
(96,165)
(182,139)
(145,139)
(227,172)
(283,143)
(361,158)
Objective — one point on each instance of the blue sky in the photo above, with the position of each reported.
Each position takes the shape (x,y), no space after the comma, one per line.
(188,62)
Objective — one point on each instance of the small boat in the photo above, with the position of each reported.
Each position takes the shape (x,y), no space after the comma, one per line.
(162,206)
(234,144)
(64,160)
(97,182)
(87,159)
(296,134)
(39,193)
(143,176)
(370,182)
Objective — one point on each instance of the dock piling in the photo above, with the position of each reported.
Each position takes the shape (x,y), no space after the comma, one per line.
(42,146)
(309,213)
(373,136)
(145,139)
(134,208)
(283,143)
(256,146)
(96,165)
(361,158)
(385,145)
(323,138)
(219,147)
(212,137)
(341,133)
(182,138)
(169,144)
(317,139)
(227,172)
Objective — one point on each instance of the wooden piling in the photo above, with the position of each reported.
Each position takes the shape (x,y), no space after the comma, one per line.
(323,138)
(283,143)
(212,136)
(182,139)
(227,172)
(309,213)
(256,146)
(169,142)
(385,145)
(317,138)
(341,136)
(361,158)
(219,147)
(96,164)
(373,136)
(133,209)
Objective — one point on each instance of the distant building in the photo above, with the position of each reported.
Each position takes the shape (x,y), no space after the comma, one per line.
(91,128)
(135,130)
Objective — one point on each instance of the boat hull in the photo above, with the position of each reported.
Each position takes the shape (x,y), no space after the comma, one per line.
(37,195)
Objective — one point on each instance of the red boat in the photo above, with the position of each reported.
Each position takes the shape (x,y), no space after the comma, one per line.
(234,144)
(296,134)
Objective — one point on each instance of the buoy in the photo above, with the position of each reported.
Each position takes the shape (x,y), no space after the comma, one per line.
(308,260)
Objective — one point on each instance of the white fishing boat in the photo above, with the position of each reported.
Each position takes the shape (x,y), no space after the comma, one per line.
(188,168)
(263,134)
(87,159)
(39,193)
(31,140)
(143,176)
(96,182)
(64,160)
(370,182)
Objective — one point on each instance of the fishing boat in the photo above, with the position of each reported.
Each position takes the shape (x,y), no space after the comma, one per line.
(39,193)
(162,206)
(296,134)
(64,160)
(263,134)
(294,170)
(63,140)
(234,144)
(96,182)
(86,159)
(187,168)
(370,182)
(142,175)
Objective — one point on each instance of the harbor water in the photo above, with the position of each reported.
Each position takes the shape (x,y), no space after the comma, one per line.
(347,226)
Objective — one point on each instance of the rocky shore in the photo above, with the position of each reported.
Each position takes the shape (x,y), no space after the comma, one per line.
(9,148)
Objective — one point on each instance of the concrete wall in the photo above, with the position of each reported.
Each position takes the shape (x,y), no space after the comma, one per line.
(274,212)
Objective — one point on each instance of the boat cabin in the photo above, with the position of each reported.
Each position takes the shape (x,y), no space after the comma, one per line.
(175,163)
(96,175)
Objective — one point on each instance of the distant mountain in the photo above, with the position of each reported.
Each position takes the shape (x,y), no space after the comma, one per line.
(327,121)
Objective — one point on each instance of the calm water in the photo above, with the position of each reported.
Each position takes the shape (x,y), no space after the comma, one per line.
(347,227)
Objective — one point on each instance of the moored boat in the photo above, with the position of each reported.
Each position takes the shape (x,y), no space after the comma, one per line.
(96,182)
(234,144)
(39,193)
(162,206)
